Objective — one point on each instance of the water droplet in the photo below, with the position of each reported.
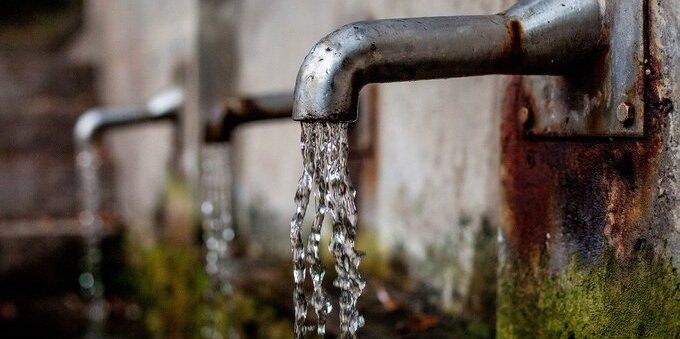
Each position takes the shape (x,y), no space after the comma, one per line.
(299,275)
(228,234)
(206,207)
(86,280)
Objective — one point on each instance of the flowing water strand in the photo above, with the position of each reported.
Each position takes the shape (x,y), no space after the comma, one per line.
(218,233)
(325,151)
(341,206)
(320,299)
(88,163)
(304,187)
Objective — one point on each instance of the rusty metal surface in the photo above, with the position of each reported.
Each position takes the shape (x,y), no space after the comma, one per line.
(235,111)
(593,193)
(591,99)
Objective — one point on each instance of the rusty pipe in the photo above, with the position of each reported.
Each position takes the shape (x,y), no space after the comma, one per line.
(235,111)
(542,37)
(163,106)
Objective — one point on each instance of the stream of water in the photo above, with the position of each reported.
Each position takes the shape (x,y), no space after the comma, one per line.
(218,233)
(325,175)
(88,163)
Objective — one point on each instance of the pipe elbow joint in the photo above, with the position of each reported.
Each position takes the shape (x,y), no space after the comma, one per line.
(88,126)
(331,76)
(167,103)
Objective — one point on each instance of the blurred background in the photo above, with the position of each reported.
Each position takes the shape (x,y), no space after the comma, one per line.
(424,161)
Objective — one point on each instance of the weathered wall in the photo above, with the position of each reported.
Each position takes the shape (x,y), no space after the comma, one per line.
(666,33)
(438,167)
(590,227)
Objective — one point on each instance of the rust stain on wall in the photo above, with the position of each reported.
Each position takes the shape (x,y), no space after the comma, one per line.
(594,192)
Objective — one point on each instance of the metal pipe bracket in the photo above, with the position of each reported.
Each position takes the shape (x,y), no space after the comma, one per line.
(601,96)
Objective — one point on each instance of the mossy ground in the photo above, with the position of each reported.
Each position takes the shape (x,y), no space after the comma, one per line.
(171,285)
(608,299)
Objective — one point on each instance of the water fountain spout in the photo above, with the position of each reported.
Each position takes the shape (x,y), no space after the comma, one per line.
(164,106)
(542,37)
(235,111)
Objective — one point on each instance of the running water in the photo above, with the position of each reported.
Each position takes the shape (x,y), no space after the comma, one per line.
(325,151)
(88,163)
(218,234)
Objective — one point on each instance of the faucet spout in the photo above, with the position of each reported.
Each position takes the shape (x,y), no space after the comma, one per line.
(235,111)
(542,37)
(91,124)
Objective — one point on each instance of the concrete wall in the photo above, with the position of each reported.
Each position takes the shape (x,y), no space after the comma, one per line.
(666,23)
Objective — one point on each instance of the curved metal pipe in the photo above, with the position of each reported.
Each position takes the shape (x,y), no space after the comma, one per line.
(546,37)
(91,124)
(236,111)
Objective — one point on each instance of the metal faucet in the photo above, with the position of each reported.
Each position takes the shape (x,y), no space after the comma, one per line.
(163,106)
(533,37)
(235,111)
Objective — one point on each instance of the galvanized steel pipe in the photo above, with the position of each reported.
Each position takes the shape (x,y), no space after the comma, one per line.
(236,111)
(164,106)
(546,37)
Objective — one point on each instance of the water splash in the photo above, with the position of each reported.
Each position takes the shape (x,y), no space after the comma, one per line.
(218,234)
(88,163)
(325,152)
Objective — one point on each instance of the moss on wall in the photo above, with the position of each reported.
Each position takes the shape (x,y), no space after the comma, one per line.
(640,298)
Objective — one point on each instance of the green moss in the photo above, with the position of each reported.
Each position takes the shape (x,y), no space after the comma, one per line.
(376,262)
(605,299)
(171,285)
(254,318)
(480,303)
